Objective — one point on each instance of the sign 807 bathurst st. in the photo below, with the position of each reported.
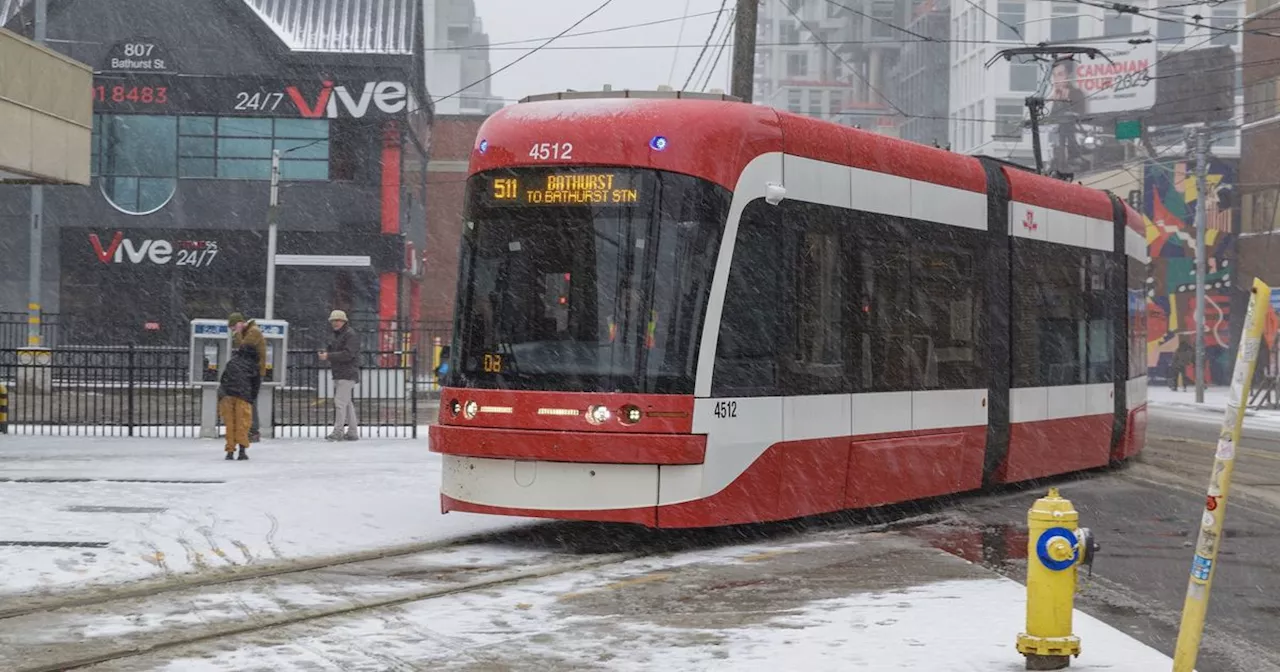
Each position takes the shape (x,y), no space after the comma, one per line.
(220,96)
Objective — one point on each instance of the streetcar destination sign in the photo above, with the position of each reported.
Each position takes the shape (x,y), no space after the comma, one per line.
(577,188)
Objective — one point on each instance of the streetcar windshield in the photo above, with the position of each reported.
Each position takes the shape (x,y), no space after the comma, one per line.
(591,280)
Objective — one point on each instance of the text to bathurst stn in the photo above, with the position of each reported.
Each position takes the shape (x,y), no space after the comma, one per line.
(582,189)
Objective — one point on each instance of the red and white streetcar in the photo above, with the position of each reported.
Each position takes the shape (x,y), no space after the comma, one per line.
(681,310)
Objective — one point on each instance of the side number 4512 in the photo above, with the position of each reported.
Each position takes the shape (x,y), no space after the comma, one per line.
(726,409)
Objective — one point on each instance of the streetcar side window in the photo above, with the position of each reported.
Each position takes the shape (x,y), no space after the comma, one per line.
(748,343)
(1050,319)
(815,307)
(1137,282)
(1100,297)
(883,343)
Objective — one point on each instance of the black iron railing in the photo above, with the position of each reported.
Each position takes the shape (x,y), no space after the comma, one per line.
(145,392)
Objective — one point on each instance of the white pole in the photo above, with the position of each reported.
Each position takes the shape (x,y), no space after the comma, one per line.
(271,235)
(1202,197)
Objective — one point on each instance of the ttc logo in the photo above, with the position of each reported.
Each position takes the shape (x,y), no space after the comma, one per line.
(1029,222)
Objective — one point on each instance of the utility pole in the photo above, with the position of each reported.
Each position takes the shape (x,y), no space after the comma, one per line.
(271,234)
(1202,197)
(744,49)
(34,337)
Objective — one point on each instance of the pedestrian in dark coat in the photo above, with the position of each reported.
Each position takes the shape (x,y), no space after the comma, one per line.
(237,389)
(242,332)
(343,355)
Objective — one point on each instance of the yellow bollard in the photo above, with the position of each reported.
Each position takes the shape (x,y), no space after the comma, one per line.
(4,409)
(437,348)
(1204,564)
(1056,547)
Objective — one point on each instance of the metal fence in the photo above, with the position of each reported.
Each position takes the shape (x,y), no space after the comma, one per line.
(382,336)
(145,392)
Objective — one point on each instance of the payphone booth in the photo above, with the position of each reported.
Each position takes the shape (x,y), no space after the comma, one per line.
(210,352)
(276,333)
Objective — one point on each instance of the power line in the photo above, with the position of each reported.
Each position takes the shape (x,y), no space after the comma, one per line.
(705,45)
(846,64)
(679,36)
(923,38)
(584,33)
(724,42)
(531,52)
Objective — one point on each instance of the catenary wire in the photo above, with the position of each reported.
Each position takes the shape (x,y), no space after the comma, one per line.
(705,45)
(529,53)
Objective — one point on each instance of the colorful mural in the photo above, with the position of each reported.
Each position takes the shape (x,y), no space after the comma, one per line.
(1169,206)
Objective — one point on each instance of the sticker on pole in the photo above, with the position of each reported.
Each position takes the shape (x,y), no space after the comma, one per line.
(1226,448)
(1200,568)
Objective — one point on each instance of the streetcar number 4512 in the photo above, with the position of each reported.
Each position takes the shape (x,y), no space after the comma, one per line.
(542,151)
(726,409)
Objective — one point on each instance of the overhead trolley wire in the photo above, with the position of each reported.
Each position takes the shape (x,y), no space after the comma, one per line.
(531,52)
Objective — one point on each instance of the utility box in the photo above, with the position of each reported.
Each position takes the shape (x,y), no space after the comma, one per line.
(210,351)
(276,333)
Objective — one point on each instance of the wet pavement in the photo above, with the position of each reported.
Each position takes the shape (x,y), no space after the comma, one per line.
(1146,518)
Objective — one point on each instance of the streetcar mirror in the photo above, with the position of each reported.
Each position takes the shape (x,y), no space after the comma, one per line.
(774,193)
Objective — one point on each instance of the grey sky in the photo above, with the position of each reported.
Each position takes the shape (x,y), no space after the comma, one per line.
(557,69)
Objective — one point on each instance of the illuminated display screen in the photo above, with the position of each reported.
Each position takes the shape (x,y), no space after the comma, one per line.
(561,189)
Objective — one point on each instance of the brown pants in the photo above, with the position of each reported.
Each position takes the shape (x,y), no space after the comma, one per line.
(237,415)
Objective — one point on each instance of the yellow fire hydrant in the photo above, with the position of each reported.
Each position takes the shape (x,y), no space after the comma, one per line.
(1056,547)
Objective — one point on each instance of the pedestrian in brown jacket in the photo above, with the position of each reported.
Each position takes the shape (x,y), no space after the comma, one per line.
(247,333)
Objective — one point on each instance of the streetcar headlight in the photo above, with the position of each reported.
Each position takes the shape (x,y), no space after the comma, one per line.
(471,409)
(597,415)
(629,414)
(455,407)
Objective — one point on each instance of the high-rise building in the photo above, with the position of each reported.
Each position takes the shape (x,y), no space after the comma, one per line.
(830,60)
(922,76)
(456,52)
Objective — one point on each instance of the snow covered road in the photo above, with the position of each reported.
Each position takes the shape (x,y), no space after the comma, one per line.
(79,511)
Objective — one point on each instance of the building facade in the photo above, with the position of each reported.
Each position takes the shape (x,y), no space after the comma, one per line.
(457,58)
(1259,244)
(988,103)
(921,79)
(190,98)
(830,60)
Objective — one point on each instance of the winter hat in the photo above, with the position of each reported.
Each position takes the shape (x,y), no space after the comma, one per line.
(338,315)
(234,319)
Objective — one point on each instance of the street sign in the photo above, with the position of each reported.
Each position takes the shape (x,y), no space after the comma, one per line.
(1128,129)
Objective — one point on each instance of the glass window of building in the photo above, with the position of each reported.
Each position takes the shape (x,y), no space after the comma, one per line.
(138,161)
(1170,27)
(1116,24)
(1023,76)
(788,32)
(794,100)
(1008,118)
(797,65)
(1224,23)
(1065,24)
(815,103)
(240,148)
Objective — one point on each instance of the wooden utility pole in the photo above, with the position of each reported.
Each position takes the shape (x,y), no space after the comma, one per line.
(744,49)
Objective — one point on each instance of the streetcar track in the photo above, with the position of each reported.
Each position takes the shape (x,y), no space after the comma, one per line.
(143,640)
(223,576)
(256,622)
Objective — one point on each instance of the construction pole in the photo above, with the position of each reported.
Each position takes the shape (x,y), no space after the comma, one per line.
(272,213)
(34,337)
(744,50)
(1202,196)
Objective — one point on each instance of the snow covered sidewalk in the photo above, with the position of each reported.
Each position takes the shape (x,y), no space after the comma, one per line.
(1215,404)
(77,511)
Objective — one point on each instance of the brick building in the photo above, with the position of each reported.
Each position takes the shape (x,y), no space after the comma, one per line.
(1259,244)
(453,139)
